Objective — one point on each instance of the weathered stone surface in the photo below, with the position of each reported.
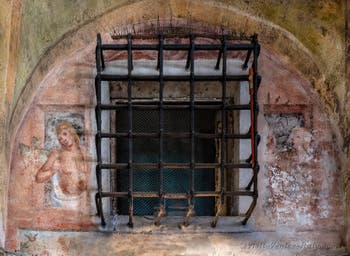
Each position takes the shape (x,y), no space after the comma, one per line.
(298,187)
(318,152)
(9,25)
(243,244)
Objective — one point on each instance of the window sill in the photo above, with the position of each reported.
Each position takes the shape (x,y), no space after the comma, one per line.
(145,224)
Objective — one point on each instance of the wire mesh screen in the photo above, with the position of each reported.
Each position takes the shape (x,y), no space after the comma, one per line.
(176,150)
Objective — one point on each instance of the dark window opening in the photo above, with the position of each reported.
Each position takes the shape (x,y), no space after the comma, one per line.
(176,150)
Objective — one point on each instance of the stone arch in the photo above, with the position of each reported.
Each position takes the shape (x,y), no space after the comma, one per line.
(274,39)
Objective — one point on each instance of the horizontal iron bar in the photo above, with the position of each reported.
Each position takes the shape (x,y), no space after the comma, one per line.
(172,106)
(110,77)
(173,165)
(177,195)
(178,208)
(183,47)
(226,193)
(143,102)
(134,194)
(185,34)
(230,107)
(174,135)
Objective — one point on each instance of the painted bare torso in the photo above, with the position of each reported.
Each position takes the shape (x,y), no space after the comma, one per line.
(72,171)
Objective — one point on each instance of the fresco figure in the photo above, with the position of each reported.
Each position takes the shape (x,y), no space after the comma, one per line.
(66,168)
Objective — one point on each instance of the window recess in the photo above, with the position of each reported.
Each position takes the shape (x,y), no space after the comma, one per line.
(176,155)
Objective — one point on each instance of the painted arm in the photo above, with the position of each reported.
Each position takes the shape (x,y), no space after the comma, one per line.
(48,169)
(84,169)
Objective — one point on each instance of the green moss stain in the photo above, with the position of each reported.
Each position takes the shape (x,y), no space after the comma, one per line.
(44,22)
(318,24)
(309,21)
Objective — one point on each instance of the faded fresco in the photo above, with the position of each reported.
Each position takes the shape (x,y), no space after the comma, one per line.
(51,188)
(65,170)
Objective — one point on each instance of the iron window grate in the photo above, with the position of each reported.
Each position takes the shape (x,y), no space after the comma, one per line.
(131,105)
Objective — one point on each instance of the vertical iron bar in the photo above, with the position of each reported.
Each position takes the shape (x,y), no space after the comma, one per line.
(161,113)
(161,212)
(192,117)
(223,129)
(223,120)
(193,150)
(189,55)
(161,42)
(98,149)
(114,180)
(98,197)
(102,60)
(245,64)
(252,126)
(252,115)
(255,164)
(99,42)
(217,66)
(255,80)
(98,53)
(130,135)
(190,211)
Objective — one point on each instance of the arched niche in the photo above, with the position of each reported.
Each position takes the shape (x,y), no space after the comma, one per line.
(298,187)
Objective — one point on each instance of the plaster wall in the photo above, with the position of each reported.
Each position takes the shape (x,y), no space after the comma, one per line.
(49,32)
(299,187)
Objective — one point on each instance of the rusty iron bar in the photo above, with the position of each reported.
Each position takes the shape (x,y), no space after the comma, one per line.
(223,131)
(245,64)
(175,135)
(181,32)
(99,55)
(161,213)
(130,138)
(176,78)
(177,47)
(98,196)
(174,165)
(217,65)
(139,194)
(254,124)
(155,106)
(190,211)
(223,115)
(252,115)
